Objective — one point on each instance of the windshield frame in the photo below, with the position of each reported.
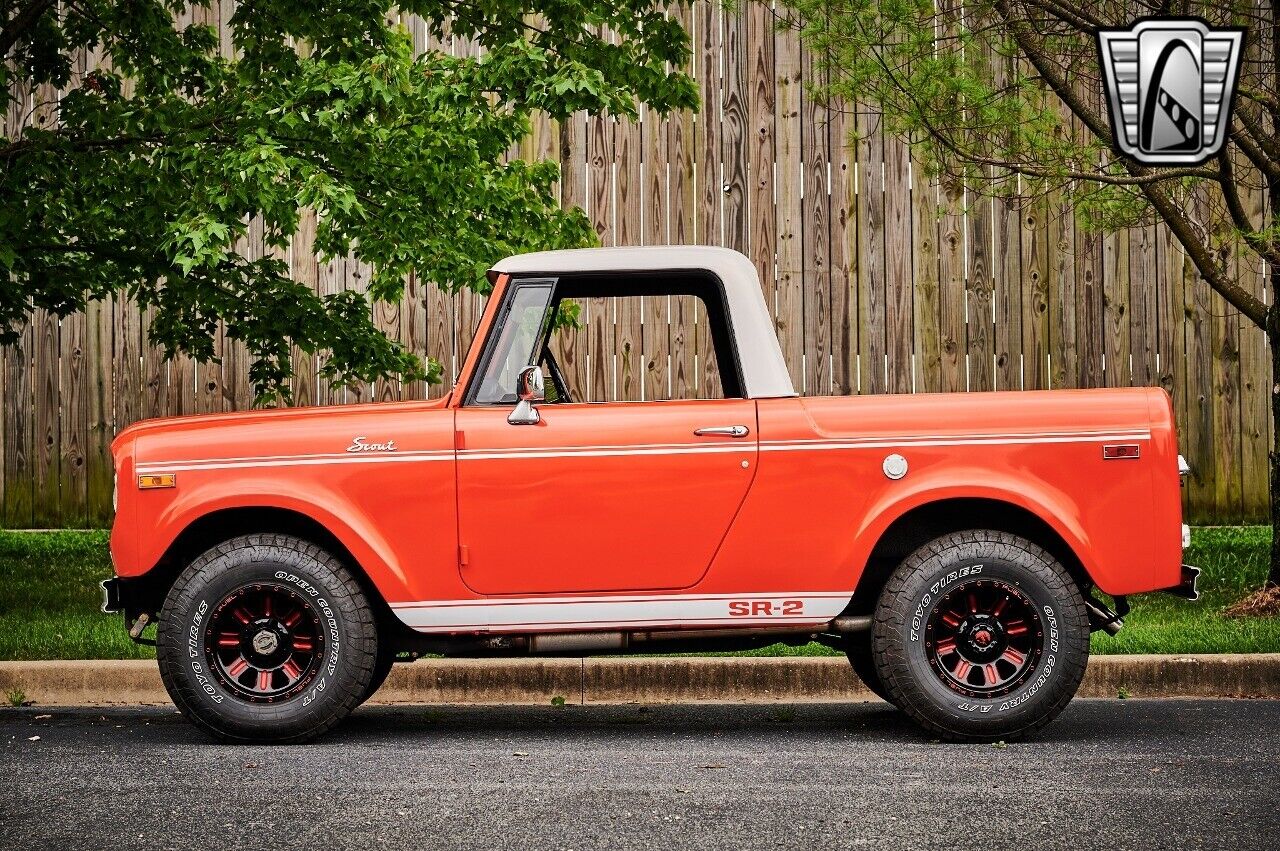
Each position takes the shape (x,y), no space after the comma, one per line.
(499,333)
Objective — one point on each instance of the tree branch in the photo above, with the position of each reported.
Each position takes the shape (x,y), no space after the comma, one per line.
(16,27)
(1172,213)
(1240,216)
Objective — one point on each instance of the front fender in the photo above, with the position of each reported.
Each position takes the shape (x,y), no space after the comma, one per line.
(341,516)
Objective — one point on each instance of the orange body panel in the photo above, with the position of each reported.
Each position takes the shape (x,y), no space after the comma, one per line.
(640,500)
(616,514)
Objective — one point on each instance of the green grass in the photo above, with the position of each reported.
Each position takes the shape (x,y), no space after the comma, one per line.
(49,600)
(1234,564)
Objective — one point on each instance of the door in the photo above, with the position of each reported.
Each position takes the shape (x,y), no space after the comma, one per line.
(622,496)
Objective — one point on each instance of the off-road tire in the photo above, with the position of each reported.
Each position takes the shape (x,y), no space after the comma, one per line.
(344,670)
(381,670)
(864,664)
(926,581)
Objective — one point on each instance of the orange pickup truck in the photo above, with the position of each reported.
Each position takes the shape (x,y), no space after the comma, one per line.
(951,545)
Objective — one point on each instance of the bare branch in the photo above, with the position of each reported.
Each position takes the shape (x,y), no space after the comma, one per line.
(1172,213)
(1239,216)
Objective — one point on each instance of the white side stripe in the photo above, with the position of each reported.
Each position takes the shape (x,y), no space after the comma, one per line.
(533,614)
(296,461)
(807,445)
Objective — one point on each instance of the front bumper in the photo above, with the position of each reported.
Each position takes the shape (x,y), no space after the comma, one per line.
(111,595)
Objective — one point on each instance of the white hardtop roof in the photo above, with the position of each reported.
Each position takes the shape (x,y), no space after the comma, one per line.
(764,372)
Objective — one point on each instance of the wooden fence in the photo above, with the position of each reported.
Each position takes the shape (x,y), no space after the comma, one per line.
(880,282)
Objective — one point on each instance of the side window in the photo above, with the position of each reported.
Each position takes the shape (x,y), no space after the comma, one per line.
(520,329)
(635,348)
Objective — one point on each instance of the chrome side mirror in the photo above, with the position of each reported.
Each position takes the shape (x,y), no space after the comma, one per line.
(529,389)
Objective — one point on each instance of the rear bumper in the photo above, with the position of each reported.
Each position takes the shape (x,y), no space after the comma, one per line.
(1186,589)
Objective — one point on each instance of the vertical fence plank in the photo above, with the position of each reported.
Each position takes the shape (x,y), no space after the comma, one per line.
(1090,300)
(927,301)
(951,288)
(1035,294)
(653,208)
(304,269)
(762,235)
(844,250)
(571,351)
(73,492)
(1117,355)
(44,502)
(693,201)
(1063,318)
(980,292)
(99,414)
(871,256)
(1006,295)
(708,125)
(1225,328)
(600,349)
(387,319)
(788,172)
(734,133)
(899,322)
(1142,302)
(815,234)
(629,339)
(18,467)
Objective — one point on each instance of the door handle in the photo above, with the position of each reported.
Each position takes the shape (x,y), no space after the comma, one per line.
(728,431)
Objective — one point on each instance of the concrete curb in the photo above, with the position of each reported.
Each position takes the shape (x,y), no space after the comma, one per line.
(648,680)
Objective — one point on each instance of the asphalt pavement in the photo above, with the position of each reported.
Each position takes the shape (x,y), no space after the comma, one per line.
(1108,774)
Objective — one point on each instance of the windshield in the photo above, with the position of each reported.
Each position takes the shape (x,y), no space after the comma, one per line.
(519,330)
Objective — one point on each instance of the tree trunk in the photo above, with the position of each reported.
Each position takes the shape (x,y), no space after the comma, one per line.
(1273,320)
(1273,342)
(1273,330)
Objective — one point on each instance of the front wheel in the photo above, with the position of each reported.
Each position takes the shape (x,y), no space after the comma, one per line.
(266,638)
(981,635)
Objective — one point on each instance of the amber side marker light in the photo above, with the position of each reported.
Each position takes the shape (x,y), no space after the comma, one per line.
(158,480)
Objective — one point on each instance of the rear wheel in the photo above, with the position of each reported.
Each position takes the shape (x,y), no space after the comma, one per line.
(864,665)
(266,638)
(981,635)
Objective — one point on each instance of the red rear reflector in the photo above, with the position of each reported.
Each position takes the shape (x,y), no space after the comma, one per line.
(1120,450)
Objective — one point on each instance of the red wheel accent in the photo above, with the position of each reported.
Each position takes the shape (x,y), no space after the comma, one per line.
(264,658)
(989,651)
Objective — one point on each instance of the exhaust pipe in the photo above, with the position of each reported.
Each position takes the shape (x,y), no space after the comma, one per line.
(565,642)
(594,642)
(1100,617)
(846,624)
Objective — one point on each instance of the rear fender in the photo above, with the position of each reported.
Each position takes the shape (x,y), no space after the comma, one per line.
(1054,507)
